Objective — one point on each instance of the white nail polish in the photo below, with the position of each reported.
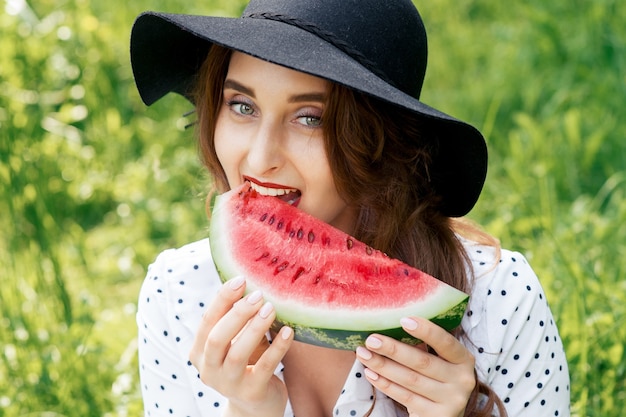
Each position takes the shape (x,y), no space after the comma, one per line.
(363,353)
(285,333)
(266,310)
(236,283)
(255,297)
(409,323)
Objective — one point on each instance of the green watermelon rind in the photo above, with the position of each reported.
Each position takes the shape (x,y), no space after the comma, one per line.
(351,339)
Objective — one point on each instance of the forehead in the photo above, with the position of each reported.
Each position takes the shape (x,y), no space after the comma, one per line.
(244,67)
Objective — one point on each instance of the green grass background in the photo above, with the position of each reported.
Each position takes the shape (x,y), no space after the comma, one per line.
(93,184)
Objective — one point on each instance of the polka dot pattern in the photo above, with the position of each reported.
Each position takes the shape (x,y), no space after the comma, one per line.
(508,321)
(166,323)
(514,338)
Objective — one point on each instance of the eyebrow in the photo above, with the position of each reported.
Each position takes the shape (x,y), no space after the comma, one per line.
(234,85)
(298,98)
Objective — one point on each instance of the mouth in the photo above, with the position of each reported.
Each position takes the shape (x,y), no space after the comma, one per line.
(288,195)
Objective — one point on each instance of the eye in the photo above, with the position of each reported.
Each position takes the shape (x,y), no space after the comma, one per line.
(310,121)
(242,108)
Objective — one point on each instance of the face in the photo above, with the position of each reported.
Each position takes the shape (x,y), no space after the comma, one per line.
(269,132)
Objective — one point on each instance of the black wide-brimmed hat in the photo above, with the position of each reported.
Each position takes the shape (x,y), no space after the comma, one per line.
(373,46)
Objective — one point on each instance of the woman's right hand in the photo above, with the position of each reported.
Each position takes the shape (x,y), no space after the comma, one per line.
(225,350)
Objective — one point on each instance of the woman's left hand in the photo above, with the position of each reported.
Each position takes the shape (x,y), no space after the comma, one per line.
(426,384)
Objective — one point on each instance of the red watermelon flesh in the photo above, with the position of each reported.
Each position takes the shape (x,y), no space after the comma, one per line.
(319,279)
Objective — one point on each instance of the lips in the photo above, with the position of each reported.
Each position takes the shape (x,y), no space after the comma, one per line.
(288,195)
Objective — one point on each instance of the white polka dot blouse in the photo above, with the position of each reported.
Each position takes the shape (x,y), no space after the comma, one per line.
(509,325)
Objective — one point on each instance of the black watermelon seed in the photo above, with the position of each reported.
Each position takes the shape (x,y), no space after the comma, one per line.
(281,267)
(263,217)
(272,220)
(263,255)
(311,237)
(298,274)
(300,233)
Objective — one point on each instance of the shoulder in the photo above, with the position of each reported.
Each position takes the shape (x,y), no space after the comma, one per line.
(176,290)
(180,283)
(500,278)
(511,332)
(192,254)
(506,297)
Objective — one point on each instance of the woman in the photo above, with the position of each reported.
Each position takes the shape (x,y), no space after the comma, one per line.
(317,101)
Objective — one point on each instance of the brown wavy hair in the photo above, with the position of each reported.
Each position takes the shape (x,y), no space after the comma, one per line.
(380,157)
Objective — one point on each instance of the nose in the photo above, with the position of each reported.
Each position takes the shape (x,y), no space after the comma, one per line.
(265,155)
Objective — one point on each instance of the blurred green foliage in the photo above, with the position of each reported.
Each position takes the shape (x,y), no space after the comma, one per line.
(94,184)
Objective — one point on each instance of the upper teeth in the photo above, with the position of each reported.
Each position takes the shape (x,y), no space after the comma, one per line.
(271,191)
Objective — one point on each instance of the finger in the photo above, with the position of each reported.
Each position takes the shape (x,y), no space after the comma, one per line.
(417,359)
(445,344)
(444,401)
(394,355)
(411,400)
(228,294)
(247,340)
(395,373)
(220,338)
(269,360)
(261,347)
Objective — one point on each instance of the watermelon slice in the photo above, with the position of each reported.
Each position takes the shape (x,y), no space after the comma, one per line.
(331,288)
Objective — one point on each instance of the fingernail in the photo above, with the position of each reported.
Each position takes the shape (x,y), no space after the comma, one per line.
(255,297)
(370,374)
(265,311)
(285,333)
(363,353)
(408,323)
(373,342)
(236,283)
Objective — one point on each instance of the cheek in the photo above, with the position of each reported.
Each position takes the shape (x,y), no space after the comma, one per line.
(228,155)
(221,151)
(224,148)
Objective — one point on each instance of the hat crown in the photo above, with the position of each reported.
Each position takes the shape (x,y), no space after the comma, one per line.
(376,47)
(387,37)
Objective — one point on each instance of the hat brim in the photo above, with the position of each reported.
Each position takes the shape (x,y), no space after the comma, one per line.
(168,49)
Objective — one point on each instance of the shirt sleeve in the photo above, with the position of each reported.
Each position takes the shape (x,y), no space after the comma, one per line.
(514,338)
(171,302)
